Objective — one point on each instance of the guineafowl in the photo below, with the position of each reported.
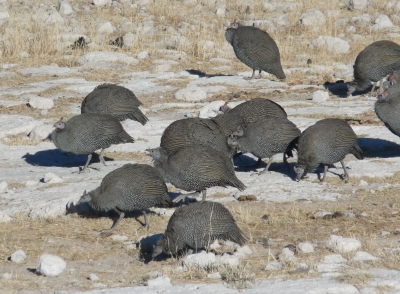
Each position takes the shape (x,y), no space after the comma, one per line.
(266,137)
(246,112)
(373,64)
(195,168)
(255,48)
(115,100)
(387,108)
(198,225)
(85,133)
(128,188)
(194,131)
(326,142)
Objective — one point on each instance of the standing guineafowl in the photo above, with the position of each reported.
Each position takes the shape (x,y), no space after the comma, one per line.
(387,108)
(266,137)
(194,131)
(128,188)
(198,225)
(85,133)
(326,142)
(195,168)
(373,64)
(115,100)
(255,48)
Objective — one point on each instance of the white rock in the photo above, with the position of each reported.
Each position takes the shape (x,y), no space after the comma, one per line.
(130,40)
(364,256)
(191,93)
(215,245)
(92,58)
(362,183)
(229,260)
(143,55)
(18,256)
(23,54)
(41,132)
(159,282)
(64,8)
(333,258)
(41,103)
(362,20)
(3,186)
(52,178)
(358,4)
(330,267)
(273,266)
(216,275)
(50,265)
(6,276)
(305,247)
(120,238)
(313,18)
(287,255)
(31,183)
(177,42)
(382,23)
(54,18)
(221,11)
(321,214)
(93,277)
(207,45)
(245,250)
(106,28)
(4,15)
(101,2)
(211,109)
(302,266)
(202,260)
(320,96)
(342,245)
(333,44)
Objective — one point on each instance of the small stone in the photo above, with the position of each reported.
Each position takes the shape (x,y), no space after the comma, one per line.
(3,186)
(4,15)
(41,103)
(6,276)
(320,96)
(191,94)
(64,8)
(131,246)
(101,2)
(305,247)
(52,178)
(364,256)
(216,275)
(358,4)
(334,258)
(287,255)
(342,245)
(321,214)
(50,265)
(211,109)
(221,11)
(18,256)
(143,55)
(228,259)
(273,266)
(42,132)
(313,18)
(31,183)
(215,245)
(202,260)
(120,238)
(382,23)
(159,282)
(93,277)
(362,183)
(24,54)
(385,233)
(245,250)
(106,28)
(302,266)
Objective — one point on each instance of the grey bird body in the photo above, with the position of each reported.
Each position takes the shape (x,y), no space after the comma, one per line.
(194,131)
(115,100)
(387,108)
(196,226)
(85,133)
(255,48)
(268,136)
(326,142)
(196,168)
(373,64)
(129,188)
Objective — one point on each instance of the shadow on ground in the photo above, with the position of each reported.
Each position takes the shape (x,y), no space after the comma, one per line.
(339,89)
(378,148)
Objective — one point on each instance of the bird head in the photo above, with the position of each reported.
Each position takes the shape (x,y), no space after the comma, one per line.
(84,198)
(224,108)
(350,89)
(382,97)
(299,172)
(392,79)
(239,132)
(60,124)
(233,141)
(155,153)
(157,250)
(234,25)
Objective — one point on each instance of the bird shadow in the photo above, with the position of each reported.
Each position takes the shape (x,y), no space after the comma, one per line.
(245,163)
(202,74)
(378,148)
(339,89)
(55,157)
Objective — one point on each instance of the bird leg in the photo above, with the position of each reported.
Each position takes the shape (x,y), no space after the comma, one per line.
(146,221)
(286,162)
(204,192)
(259,75)
(325,170)
(267,168)
(381,86)
(87,164)
(346,174)
(373,88)
(108,232)
(102,157)
(254,74)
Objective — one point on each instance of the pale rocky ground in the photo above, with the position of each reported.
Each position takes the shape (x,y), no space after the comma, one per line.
(39,184)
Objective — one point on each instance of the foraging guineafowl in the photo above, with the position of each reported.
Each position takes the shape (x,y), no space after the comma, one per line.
(198,225)
(373,64)
(194,131)
(326,142)
(85,133)
(387,108)
(115,100)
(128,188)
(195,168)
(255,48)
(266,137)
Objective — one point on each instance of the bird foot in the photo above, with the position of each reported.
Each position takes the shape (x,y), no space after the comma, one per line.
(105,233)
(144,227)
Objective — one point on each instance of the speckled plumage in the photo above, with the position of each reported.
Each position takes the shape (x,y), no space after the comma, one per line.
(197,225)
(128,188)
(387,108)
(115,100)
(326,142)
(255,48)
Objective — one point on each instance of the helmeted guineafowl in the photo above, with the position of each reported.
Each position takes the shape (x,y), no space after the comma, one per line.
(326,142)
(387,108)
(85,133)
(194,131)
(198,225)
(266,137)
(373,64)
(128,188)
(195,168)
(115,100)
(246,112)
(255,48)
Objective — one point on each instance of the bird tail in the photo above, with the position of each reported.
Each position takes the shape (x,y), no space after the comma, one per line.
(138,115)
(292,146)
(238,237)
(357,152)
(238,184)
(126,138)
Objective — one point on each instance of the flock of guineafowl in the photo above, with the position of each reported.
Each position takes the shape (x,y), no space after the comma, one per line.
(196,153)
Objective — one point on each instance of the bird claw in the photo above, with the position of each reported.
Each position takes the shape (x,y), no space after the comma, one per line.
(105,233)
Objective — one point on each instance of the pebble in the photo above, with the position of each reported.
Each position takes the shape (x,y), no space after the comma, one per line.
(120,238)
(273,266)
(50,265)
(52,178)
(3,186)
(320,96)
(287,255)
(342,245)
(216,275)
(159,282)
(305,247)
(6,276)
(93,277)
(202,260)
(364,256)
(41,103)
(18,256)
